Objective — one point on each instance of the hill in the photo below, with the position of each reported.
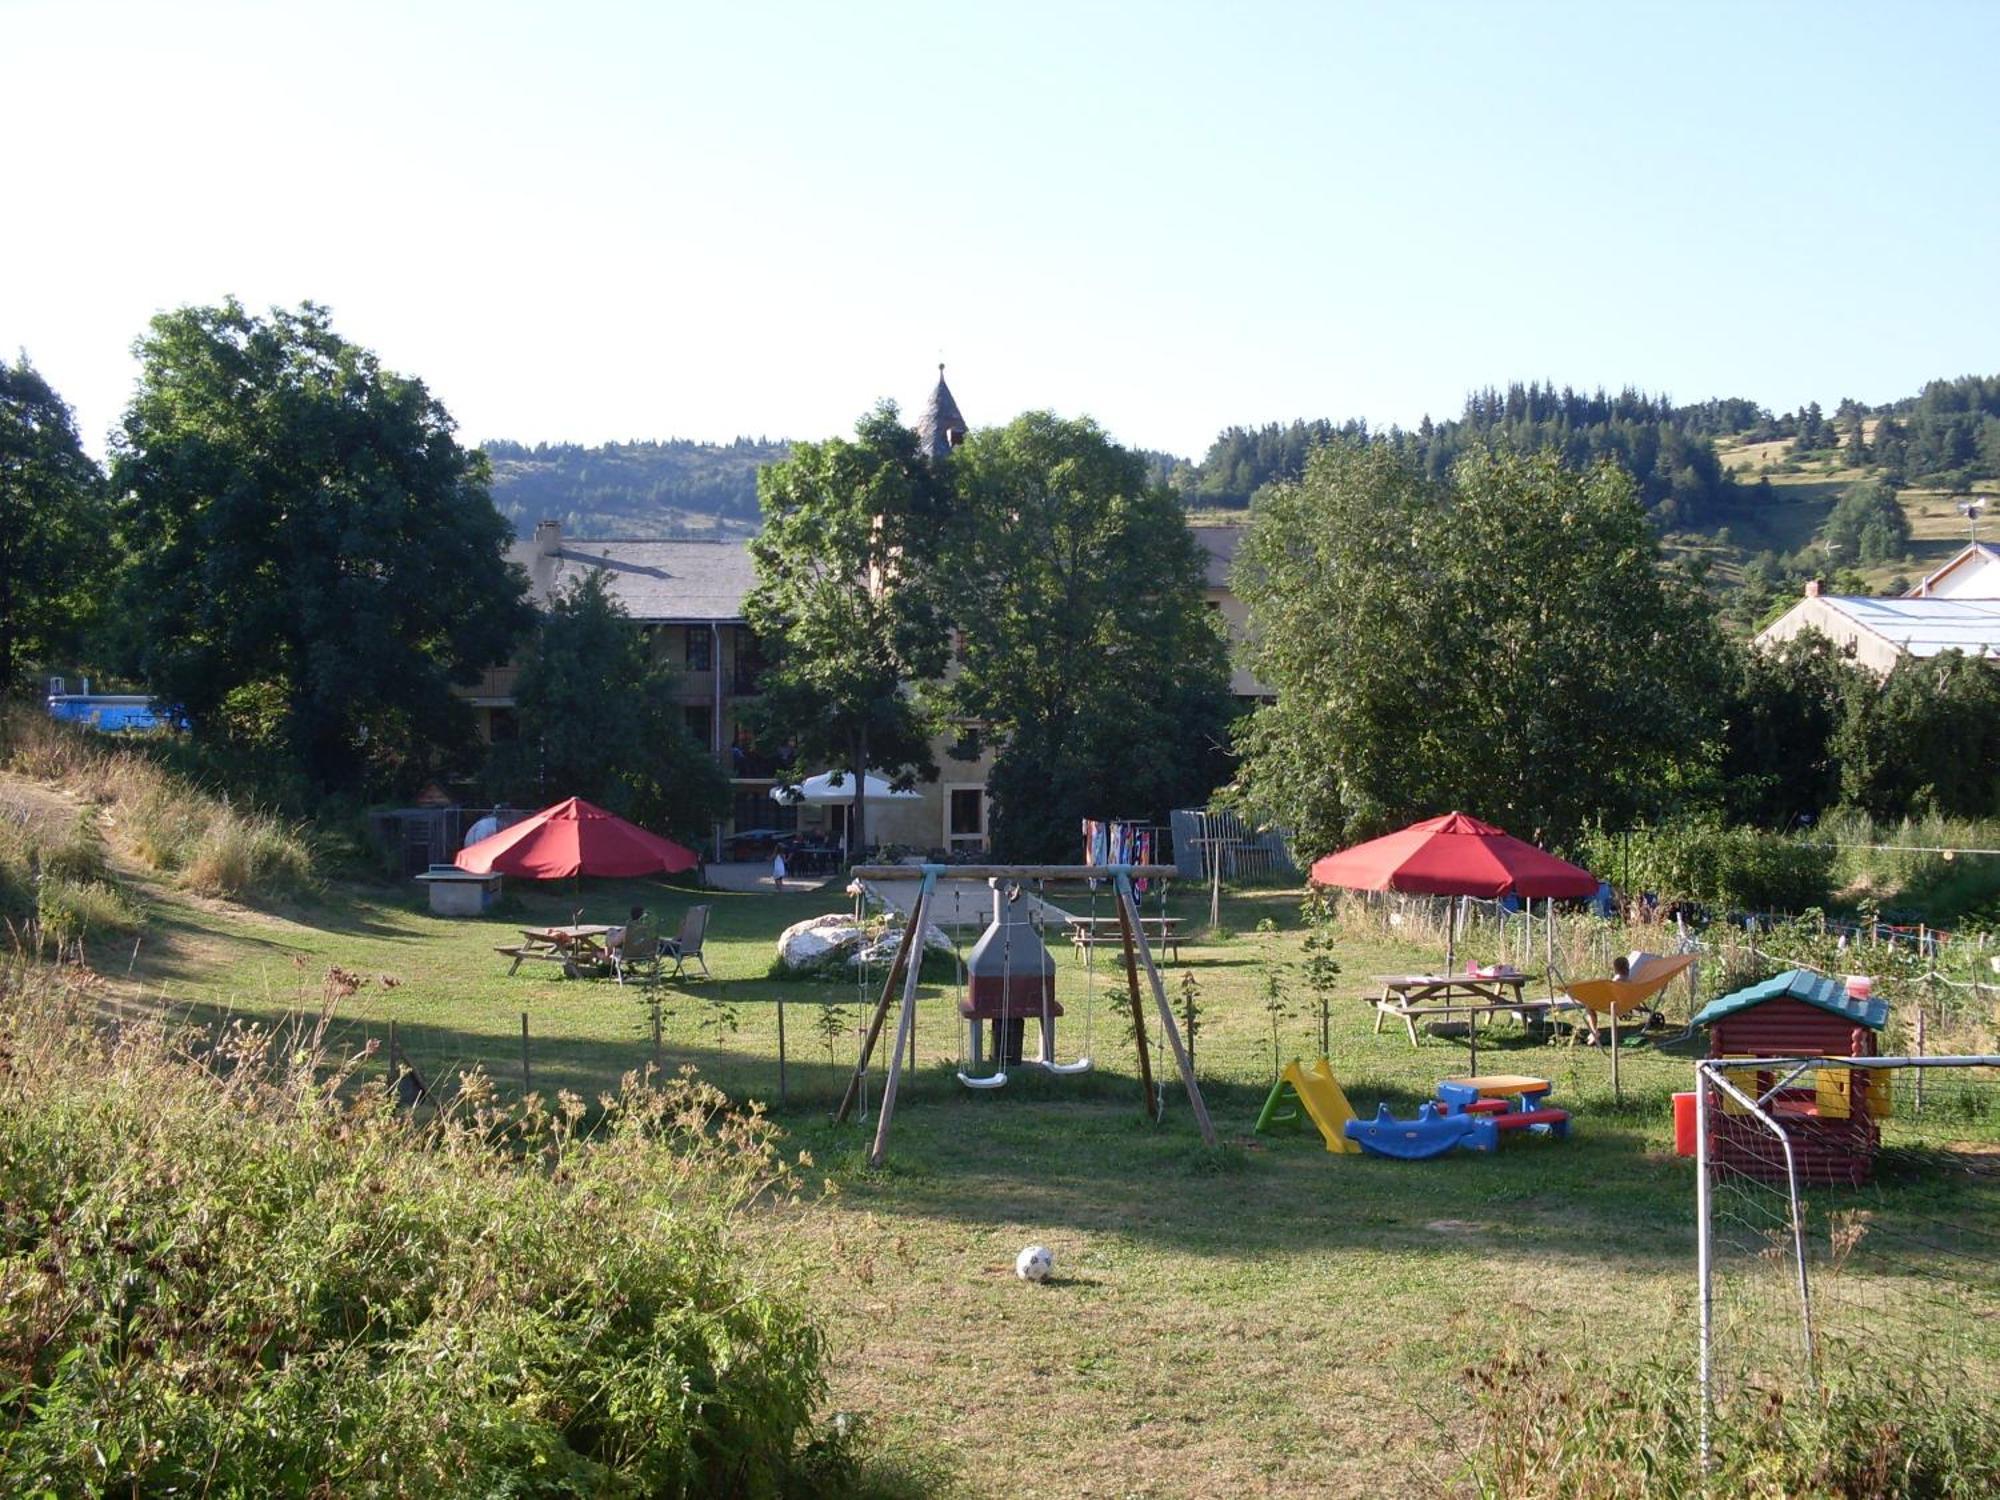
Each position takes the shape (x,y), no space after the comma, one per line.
(1760,500)
(675,488)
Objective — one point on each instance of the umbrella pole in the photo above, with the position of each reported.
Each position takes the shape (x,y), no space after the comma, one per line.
(1450,933)
(1549,930)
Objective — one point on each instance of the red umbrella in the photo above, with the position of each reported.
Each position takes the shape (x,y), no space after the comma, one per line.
(575,838)
(1453,856)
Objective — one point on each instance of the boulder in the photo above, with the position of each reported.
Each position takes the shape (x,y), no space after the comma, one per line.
(818,941)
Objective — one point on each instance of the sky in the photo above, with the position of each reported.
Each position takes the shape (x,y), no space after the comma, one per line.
(602,222)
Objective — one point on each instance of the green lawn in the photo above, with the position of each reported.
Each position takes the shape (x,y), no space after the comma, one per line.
(1268,1318)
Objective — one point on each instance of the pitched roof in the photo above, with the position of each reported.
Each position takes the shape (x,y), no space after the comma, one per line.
(1926,626)
(695,582)
(940,429)
(1800,984)
(1976,554)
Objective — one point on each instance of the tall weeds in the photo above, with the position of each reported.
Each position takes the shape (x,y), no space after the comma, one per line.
(1550,1427)
(230,1265)
(208,844)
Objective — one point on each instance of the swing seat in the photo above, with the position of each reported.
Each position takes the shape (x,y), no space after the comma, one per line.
(992,1081)
(1067,1070)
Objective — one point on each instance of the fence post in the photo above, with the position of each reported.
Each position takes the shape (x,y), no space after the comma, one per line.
(781,1050)
(527,1083)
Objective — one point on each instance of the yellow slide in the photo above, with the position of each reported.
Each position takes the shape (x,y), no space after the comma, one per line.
(1319,1094)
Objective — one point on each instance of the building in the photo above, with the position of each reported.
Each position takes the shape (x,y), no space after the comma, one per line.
(1973,574)
(687,598)
(1219,545)
(1956,608)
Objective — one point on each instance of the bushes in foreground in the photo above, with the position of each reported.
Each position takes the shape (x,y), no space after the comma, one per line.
(1550,1428)
(234,1273)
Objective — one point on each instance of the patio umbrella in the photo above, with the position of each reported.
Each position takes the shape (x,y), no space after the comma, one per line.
(575,838)
(1453,856)
(820,791)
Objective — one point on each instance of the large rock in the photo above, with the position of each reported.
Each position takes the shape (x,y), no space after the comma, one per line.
(817,941)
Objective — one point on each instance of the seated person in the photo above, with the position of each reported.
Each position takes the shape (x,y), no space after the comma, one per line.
(614,940)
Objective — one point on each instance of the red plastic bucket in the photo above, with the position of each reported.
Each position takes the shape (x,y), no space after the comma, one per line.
(1684,1124)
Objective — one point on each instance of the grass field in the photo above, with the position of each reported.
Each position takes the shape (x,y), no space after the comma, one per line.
(1265,1319)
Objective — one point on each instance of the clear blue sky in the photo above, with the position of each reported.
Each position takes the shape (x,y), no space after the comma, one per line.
(606,221)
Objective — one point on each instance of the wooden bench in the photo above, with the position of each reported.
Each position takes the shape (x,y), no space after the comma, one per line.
(521,953)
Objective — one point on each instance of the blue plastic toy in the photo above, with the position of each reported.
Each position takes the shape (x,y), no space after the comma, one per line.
(1432,1133)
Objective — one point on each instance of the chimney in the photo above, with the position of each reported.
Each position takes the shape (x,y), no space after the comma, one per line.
(548,537)
(1813,588)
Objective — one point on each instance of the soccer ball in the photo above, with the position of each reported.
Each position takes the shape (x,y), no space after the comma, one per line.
(1036,1263)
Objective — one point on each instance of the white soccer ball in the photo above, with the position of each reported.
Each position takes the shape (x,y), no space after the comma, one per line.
(1036,1263)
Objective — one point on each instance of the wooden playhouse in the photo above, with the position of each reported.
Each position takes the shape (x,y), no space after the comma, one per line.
(1831,1115)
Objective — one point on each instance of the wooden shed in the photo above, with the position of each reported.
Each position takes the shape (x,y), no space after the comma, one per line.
(1830,1114)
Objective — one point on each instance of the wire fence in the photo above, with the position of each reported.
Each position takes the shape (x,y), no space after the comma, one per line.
(1848,1231)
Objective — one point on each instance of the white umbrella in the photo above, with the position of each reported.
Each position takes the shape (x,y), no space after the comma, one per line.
(837,787)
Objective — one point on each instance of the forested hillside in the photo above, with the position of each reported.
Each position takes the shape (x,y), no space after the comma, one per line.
(1669,449)
(658,489)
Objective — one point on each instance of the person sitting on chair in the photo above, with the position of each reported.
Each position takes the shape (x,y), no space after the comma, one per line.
(615,938)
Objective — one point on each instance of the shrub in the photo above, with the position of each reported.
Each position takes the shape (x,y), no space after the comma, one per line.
(1739,869)
(225,1269)
(69,911)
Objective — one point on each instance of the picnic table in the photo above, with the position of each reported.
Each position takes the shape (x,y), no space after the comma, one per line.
(1410,997)
(576,947)
(1164,933)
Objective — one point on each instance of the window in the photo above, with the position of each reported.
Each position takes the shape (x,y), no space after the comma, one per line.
(700,723)
(502,726)
(700,650)
(965,814)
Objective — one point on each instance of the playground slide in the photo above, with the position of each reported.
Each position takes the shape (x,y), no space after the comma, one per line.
(1320,1095)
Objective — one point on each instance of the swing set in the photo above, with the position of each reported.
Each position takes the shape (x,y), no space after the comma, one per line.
(1005,881)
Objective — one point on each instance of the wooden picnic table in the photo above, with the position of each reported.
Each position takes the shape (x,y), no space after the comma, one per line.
(1409,997)
(1163,933)
(577,946)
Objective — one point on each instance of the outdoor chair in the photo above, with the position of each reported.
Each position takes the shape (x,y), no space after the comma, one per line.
(639,952)
(694,929)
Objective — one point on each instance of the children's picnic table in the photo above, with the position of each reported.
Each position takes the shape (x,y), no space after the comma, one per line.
(576,947)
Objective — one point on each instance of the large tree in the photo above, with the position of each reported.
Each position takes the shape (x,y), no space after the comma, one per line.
(52,550)
(1086,653)
(1781,714)
(1925,739)
(850,605)
(308,545)
(1506,642)
(599,719)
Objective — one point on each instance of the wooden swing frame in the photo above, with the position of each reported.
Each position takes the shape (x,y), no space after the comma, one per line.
(908,962)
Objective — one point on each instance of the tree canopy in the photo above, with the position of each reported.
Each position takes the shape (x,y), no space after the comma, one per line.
(310,549)
(1086,654)
(599,719)
(1505,643)
(52,551)
(850,605)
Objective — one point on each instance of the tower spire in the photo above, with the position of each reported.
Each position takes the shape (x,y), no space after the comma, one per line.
(941,428)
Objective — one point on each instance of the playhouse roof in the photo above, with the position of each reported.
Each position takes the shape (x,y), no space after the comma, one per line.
(1829,995)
